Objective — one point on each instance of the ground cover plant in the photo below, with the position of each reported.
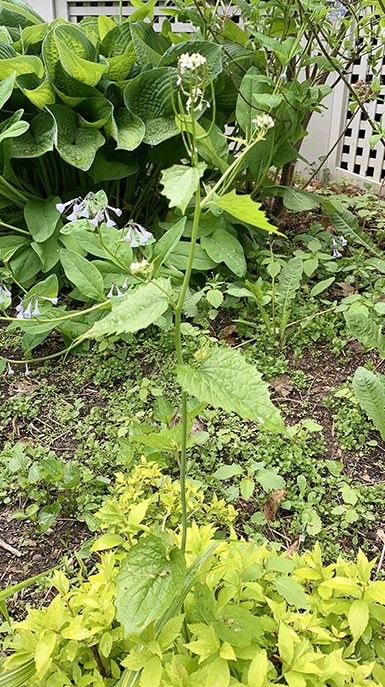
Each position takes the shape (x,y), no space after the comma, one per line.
(194,453)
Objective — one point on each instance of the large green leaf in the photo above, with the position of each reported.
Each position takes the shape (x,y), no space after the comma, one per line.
(94,112)
(6,89)
(179,257)
(21,64)
(41,217)
(109,165)
(224,247)
(17,13)
(293,198)
(135,310)
(148,44)
(366,331)
(119,50)
(39,138)
(180,184)
(75,145)
(369,389)
(78,55)
(225,380)
(345,222)
(243,208)
(83,274)
(126,128)
(149,96)
(38,91)
(25,264)
(150,577)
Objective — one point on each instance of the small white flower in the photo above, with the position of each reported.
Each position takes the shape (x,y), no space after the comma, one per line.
(139,266)
(263,123)
(136,235)
(10,371)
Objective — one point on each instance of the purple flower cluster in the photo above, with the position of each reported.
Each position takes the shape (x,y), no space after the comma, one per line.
(337,11)
(32,309)
(92,208)
(136,234)
(338,242)
(4,293)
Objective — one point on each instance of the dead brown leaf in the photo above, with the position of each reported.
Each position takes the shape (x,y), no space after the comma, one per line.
(273,502)
(347,289)
(225,335)
(282,385)
(23,386)
(292,549)
(381,535)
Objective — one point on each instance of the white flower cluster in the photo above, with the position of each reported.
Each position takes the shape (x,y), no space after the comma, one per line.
(262,124)
(189,62)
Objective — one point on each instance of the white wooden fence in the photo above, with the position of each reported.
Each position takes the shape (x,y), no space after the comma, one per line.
(350,157)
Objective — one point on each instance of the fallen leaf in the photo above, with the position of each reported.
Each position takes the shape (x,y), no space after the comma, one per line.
(225,335)
(292,549)
(347,289)
(273,502)
(381,535)
(23,386)
(282,385)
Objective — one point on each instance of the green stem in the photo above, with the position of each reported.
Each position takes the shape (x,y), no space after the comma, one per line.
(71,316)
(10,226)
(178,347)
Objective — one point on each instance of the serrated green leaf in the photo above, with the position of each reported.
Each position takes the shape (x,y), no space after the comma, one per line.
(225,380)
(291,591)
(136,310)
(243,208)
(149,579)
(224,247)
(180,183)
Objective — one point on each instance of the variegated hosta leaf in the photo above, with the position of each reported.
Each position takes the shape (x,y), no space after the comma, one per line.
(38,91)
(39,138)
(149,95)
(149,45)
(75,145)
(211,51)
(126,128)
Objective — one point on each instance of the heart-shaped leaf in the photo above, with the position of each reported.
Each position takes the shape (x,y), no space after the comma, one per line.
(75,145)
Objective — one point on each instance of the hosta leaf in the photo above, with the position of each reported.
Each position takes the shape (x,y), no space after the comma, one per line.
(118,48)
(366,331)
(126,128)
(94,112)
(180,183)
(148,44)
(224,247)
(369,389)
(6,89)
(136,310)
(21,64)
(75,145)
(225,380)
(243,208)
(109,165)
(38,91)
(150,578)
(149,95)
(83,274)
(77,54)
(39,138)
(18,14)
(14,130)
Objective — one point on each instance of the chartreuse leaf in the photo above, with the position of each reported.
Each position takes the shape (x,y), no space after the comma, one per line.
(136,310)
(291,591)
(83,274)
(21,64)
(77,54)
(148,44)
(222,246)
(180,184)
(126,128)
(358,617)
(6,89)
(39,91)
(258,670)
(150,577)
(369,389)
(118,48)
(225,380)
(41,217)
(286,638)
(243,208)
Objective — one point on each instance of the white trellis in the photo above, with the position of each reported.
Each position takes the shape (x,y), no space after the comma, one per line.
(351,157)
